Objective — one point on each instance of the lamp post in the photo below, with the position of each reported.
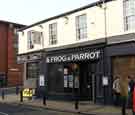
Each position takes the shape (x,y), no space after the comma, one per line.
(42,78)
(103,6)
(105,21)
(104,51)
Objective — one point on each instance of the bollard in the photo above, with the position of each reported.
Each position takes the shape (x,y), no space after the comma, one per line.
(17,90)
(21,96)
(44,100)
(76,94)
(76,104)
(3,94)
(123,105)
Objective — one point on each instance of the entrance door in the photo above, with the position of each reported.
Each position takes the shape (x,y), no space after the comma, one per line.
(86,82)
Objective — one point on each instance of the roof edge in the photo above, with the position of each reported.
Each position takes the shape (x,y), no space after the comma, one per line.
(8,22)
(67,13)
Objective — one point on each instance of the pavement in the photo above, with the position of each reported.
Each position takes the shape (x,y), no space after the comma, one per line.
(85,107)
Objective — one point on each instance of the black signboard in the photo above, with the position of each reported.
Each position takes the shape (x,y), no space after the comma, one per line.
(89,55)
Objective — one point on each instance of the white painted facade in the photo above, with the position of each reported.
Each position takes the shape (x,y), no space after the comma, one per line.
(66,29)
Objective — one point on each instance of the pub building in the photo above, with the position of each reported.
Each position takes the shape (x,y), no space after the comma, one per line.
(82,66)
(71,66)
(94,70)
(72,51)
(65,69)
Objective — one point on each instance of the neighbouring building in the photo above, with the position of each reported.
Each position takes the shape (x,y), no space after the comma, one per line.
(11,73)
(84,48)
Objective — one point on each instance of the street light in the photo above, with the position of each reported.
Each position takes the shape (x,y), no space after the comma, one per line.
(103,6)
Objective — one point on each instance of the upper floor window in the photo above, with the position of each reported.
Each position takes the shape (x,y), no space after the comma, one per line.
(81,27)
(53,33)
(34,37)
(15,43)
(129,14)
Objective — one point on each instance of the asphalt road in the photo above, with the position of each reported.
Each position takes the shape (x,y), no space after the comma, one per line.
(12,109)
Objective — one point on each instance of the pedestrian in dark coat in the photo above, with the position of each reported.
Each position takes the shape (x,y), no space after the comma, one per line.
(130,90)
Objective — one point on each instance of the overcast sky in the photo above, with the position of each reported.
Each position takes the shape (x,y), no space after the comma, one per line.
(31,11)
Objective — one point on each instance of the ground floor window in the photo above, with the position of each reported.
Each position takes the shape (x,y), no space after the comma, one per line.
(123,66)
(123,69)
(33,69)
(71,77)
(64,78)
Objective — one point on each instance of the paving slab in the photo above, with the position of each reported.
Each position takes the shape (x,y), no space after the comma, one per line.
(85,107)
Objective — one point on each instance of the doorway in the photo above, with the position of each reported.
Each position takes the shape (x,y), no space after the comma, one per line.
(87,81)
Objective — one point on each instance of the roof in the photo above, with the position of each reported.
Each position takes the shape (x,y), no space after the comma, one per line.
(67,13)
(15,24)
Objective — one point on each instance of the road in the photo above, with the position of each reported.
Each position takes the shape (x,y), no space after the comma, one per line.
(14,109)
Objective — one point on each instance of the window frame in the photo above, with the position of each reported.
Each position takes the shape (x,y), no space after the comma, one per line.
(31,71)
(33,37)
(128,15)
(53,34)
(81,26)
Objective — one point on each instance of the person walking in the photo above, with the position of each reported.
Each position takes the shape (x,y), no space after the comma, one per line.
(133,99)
(130,90)
(124,92)
(116,90)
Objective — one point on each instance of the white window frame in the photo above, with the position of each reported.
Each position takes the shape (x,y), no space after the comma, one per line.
(34,37)
(81,27)
(53,33)
(129,14)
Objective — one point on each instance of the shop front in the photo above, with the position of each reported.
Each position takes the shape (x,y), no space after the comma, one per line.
(121,56)
(76,68)
(32,69)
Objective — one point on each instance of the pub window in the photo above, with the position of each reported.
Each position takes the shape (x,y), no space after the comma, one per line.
(34,37)
(81,27)
(68,78)
(53,33)
(33,70)
(71,77)
(129,14)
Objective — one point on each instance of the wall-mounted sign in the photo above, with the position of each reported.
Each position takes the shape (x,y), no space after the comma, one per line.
(105,80)
(65,81)
(70,78)
(91,55)
(41,80)
(65,71)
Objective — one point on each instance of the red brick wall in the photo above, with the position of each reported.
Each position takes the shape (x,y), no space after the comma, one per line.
(8,64)
(14,70)
(3,48)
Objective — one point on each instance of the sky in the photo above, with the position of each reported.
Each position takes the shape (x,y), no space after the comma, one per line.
(30,11)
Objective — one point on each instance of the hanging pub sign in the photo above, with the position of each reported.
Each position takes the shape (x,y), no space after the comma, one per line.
(89,55)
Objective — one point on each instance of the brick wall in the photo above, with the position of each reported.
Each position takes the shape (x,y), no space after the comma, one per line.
(8,64)
(14,69)
(3,48)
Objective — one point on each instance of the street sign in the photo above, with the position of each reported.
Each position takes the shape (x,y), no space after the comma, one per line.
(27,92)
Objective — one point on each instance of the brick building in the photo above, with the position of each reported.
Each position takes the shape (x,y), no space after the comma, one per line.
(10,71)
